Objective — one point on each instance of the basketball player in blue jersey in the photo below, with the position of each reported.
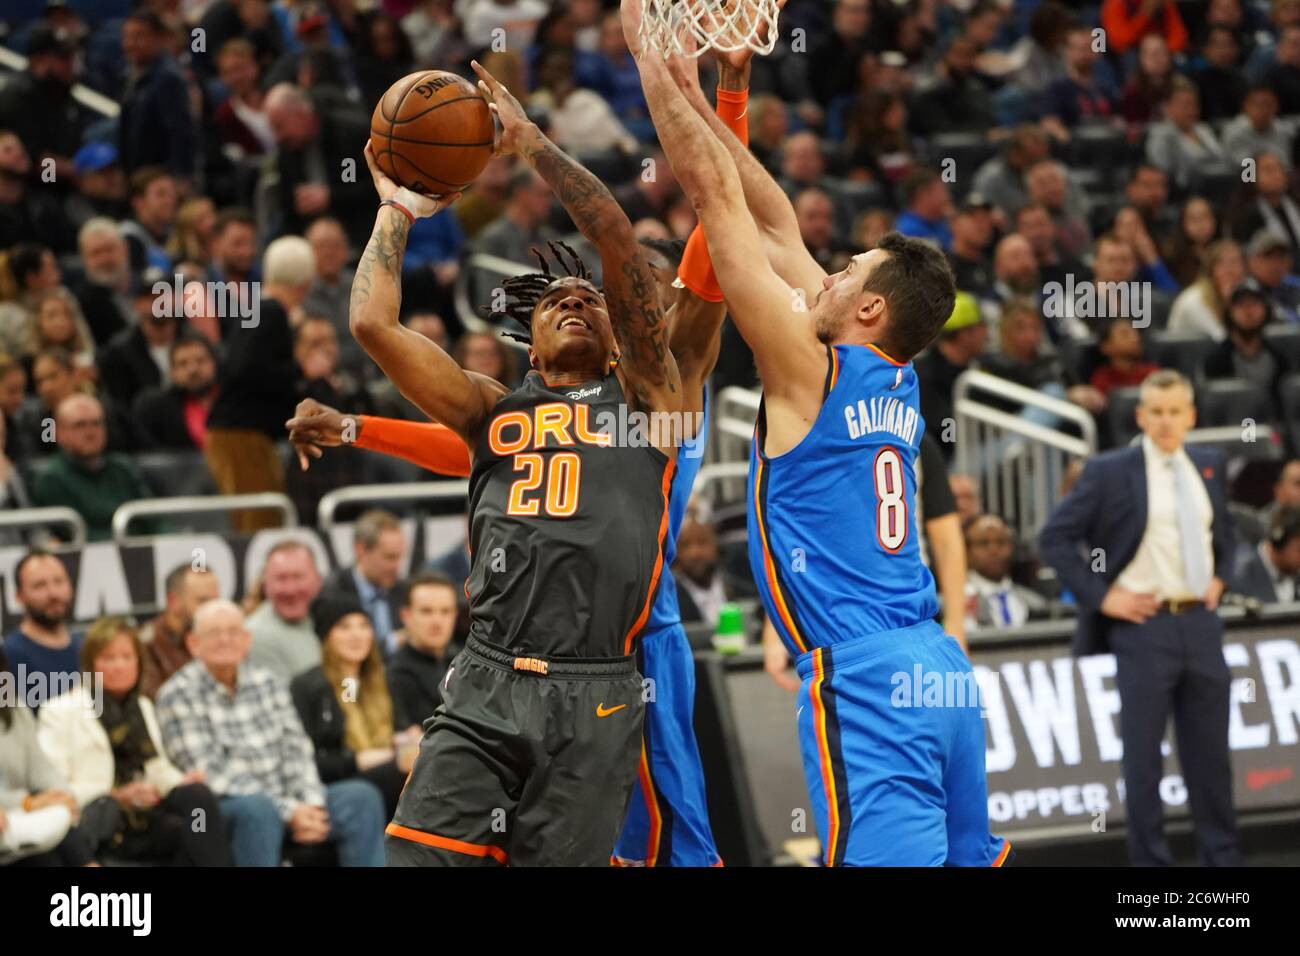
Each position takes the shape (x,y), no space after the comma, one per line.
(895,771)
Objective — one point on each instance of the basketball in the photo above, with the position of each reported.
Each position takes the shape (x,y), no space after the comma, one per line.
(432,132)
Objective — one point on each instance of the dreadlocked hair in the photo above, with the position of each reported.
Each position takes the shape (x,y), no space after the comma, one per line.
(523,292)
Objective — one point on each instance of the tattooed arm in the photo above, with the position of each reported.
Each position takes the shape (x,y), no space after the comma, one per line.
(646,366)
(422,372)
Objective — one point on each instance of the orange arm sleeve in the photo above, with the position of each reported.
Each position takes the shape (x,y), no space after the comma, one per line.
(696,269)
(433,447)
(1123,29)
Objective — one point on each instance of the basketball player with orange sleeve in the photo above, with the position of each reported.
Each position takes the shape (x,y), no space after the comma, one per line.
(534,752)
(895,779)
(667,818)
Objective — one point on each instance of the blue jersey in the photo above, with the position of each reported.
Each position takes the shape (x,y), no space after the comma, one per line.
(832,524)
(666,612)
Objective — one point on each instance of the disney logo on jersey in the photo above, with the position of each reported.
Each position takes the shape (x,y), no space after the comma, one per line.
(584,392)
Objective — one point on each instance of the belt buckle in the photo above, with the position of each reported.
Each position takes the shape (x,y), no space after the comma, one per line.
(1180,605)
(534,665)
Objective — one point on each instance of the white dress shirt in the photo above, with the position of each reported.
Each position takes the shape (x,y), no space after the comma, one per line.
(1000,602)
(1157,567)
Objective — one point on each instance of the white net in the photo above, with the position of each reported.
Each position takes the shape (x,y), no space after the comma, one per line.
(726,25)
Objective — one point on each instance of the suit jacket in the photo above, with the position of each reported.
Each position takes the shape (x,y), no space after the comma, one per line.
(155,127)
(1250,577)
(1107,509)
(160,418)
(341,581)
(353,203)
(100,307)
(126,367)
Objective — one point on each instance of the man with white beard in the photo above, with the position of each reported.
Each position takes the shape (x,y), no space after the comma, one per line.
(104,292)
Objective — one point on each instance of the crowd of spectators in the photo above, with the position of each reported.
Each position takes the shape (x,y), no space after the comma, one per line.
(290,720)
(1044,146)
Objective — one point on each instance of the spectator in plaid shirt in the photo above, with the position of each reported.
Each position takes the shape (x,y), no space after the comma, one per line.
(236,723)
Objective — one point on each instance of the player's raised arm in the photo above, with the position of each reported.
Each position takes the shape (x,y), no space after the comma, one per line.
(645,363)
(770,207)
(791,361)
(433,447)
(422,372)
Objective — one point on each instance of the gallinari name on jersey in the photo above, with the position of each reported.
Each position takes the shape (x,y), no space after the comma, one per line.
(882,414)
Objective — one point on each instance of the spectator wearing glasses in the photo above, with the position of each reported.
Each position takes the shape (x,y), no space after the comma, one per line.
(84,476)
(236,723)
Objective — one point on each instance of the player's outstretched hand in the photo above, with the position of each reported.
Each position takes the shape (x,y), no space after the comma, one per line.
(315,426)
(505,107)
(739,59)
(420,205)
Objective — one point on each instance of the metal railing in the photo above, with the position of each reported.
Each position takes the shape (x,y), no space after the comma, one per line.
(720,475)
(402,491)
(735,411)
(1267,444)
(1017,463)
(91,99)
(39,517)
(198,504)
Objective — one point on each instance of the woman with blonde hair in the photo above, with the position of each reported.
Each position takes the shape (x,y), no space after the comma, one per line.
(55,323)
(134,802)
(1198,310)
(345,706)
(192,237)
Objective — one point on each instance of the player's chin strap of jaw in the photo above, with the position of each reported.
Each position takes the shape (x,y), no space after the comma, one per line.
(413,205)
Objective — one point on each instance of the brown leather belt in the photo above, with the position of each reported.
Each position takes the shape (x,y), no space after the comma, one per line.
(1181,607)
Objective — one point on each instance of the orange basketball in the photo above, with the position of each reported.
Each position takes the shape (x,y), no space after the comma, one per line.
(432,132)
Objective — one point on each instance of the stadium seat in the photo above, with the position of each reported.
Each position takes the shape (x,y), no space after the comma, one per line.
(172,474)
(1230,401)
(1181,351)
(1079,356)
(1285,336)
(1098,147)
(968,150)
(1120,411)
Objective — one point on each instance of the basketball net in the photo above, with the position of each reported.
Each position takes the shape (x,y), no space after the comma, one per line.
(726,25)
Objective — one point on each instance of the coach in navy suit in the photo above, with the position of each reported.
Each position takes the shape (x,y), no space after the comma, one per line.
(1144,540)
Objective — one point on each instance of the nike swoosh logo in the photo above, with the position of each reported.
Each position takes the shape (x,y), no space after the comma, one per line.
(602,711)
(797,713)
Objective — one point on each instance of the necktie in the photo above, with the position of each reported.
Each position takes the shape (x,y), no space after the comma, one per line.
(1190,529)
(1005,608)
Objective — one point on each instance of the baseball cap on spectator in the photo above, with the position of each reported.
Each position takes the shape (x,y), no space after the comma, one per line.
(975,202)
(965,313)
(43,38)
(1249,286)
(1266,241)
(93,157)
(312,21)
